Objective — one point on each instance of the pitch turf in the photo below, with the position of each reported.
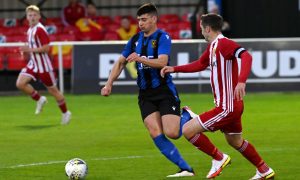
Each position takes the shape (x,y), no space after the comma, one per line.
(109,135)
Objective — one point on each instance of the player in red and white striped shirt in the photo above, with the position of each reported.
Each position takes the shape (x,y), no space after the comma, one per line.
(228,87)
(39,65)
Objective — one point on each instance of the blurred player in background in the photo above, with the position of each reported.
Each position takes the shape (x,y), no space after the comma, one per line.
(127,30)
(72,12)
(158,99)
(228,88)
(39,65)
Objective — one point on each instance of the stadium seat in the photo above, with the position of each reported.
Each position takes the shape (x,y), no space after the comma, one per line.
(70,30)
(52,37)
(1,61)
(54,20)
(184,25)
(16,38)
(117,19)
(67,61)
(10,22)
(169,18)
(66,37)
(111,35)
(112,27)
(162,26)
(16,61)
(174,34)
(104,20)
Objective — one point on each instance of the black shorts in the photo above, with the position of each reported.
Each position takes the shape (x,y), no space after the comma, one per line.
(160,99)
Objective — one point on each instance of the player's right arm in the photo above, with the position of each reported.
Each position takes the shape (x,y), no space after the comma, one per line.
(114,74)
(195,66)
(117,69)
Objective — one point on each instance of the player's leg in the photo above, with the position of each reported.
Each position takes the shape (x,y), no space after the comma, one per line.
(23,83)
(49,81)
(193,131)
(167,148)
(60,99)
(250,153)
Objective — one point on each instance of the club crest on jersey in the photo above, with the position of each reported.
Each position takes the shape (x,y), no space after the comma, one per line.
(154,43)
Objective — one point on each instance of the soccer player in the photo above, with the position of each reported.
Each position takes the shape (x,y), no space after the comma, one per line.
(228,87)
(39,65)
(158,99)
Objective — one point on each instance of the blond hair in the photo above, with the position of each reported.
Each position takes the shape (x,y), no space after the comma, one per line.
(33,8)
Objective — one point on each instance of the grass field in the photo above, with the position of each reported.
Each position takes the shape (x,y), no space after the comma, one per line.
(109,135)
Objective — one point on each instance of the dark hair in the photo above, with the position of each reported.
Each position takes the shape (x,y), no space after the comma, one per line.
(215,21)
(147,8)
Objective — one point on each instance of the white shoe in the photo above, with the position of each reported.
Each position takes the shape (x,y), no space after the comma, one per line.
(40,104)
(66,117)
(218,166)
(182,173)
(270,174)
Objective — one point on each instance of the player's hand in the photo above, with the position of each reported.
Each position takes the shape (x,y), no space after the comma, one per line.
(133,57)
(25,49)
(106,90)
(239,91)
(166,69)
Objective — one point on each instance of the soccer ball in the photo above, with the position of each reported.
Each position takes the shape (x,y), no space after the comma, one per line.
(76,169)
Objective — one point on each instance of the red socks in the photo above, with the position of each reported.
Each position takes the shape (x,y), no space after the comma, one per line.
(35,95)
(203,143)
(249,152)
(62,105)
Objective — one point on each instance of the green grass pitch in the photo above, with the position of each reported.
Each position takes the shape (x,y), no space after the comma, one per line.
(109,135)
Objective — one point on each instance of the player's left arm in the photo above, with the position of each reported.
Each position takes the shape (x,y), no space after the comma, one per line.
(164,49)
(246,62)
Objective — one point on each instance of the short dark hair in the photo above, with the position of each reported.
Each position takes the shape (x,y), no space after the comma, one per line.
(215,21)
(147,8)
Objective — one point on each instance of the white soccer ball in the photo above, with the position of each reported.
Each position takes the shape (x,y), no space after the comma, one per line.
(76,169)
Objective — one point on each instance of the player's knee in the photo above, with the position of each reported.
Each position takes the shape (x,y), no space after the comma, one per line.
(235,143)
(20,85)
(154,132)
(172,134)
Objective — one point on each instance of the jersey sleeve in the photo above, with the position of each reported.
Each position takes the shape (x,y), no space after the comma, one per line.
(127,49)
(230,49)
(164,44)
(195,66)
(43,36)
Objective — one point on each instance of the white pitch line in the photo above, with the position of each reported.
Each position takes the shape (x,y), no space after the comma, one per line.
(60,162)
(129,157)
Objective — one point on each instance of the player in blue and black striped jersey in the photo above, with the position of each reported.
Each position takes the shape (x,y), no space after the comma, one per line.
(158,98)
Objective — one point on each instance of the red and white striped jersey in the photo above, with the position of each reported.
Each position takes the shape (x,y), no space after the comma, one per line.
(37,37)
(223,54)
(221,57)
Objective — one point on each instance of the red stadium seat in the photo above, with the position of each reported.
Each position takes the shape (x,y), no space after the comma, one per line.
(104,20)
(16,38)
(1,61)
(16,61)
(70,30)
(66,37)
(118,18)
(112,27)
(54,20)
(67,61)
(169,18)
(184,25)
(174,34)
(111,35)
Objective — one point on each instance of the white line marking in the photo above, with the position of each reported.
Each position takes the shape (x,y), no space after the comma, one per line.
(130,157)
